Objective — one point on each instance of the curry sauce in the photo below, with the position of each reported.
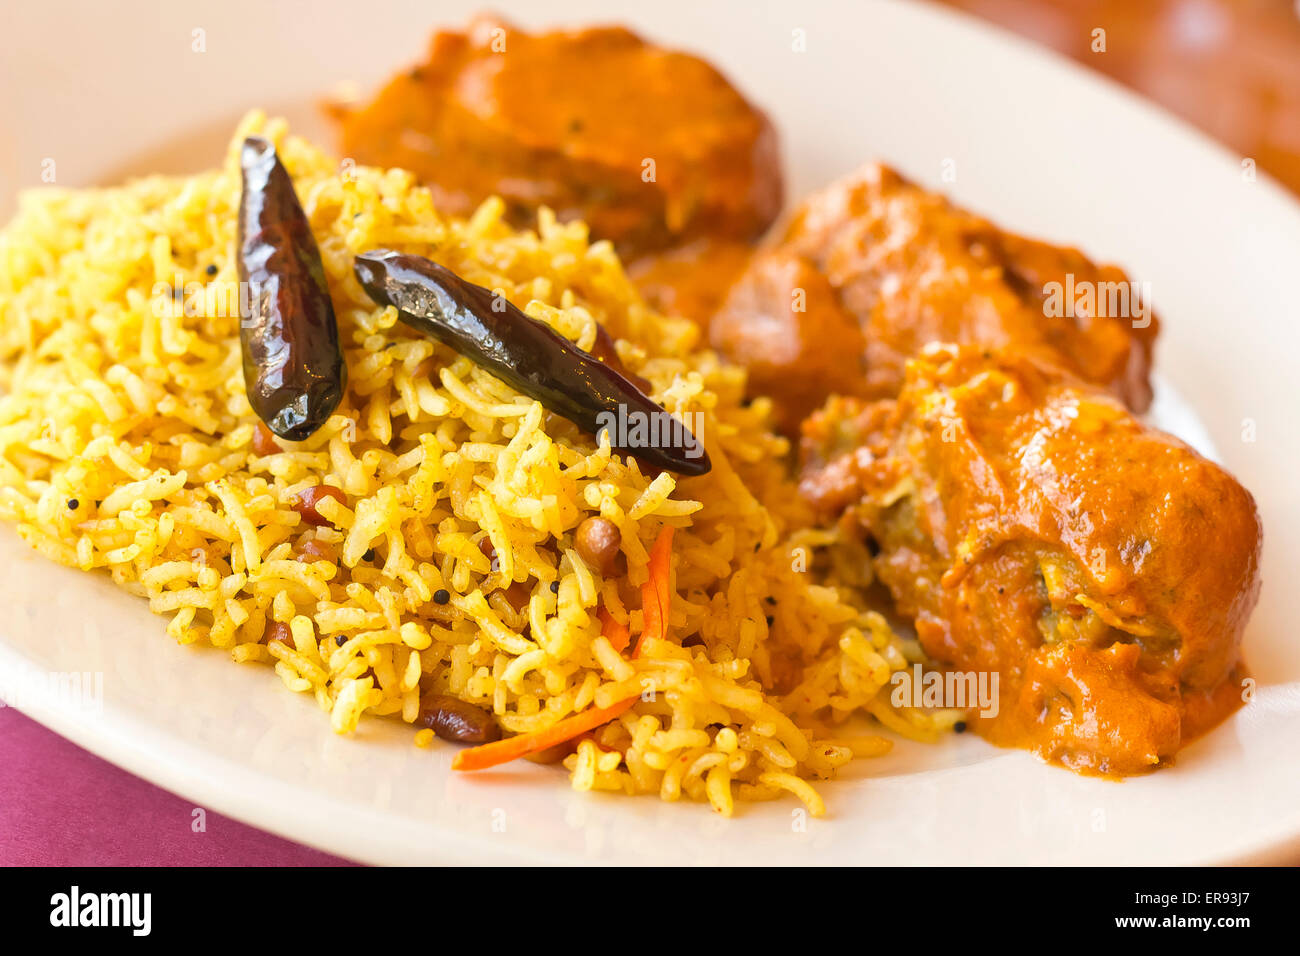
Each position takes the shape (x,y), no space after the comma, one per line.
(1030,526)
(650,147)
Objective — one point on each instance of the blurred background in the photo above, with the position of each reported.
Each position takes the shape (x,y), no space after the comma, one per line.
(1230,67)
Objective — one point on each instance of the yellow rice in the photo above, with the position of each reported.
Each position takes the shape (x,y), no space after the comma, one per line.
(130,399)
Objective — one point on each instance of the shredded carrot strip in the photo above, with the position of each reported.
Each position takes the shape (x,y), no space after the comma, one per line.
(656,593)
(617,634)
(656,599)
(512,748)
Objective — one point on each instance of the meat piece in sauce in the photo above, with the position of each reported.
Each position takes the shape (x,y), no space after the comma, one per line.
(912,269)
(573,120)
(786,325)
(1029,525)
(690,280)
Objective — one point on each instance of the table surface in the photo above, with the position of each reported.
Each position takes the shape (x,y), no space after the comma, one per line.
(61,805)
(1230,67)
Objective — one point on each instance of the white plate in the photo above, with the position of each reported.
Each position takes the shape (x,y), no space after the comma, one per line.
(1040,145)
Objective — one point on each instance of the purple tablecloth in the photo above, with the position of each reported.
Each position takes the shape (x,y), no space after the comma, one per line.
(61,805)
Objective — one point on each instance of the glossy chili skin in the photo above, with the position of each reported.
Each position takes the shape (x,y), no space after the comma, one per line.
(294,371)
(519,350)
